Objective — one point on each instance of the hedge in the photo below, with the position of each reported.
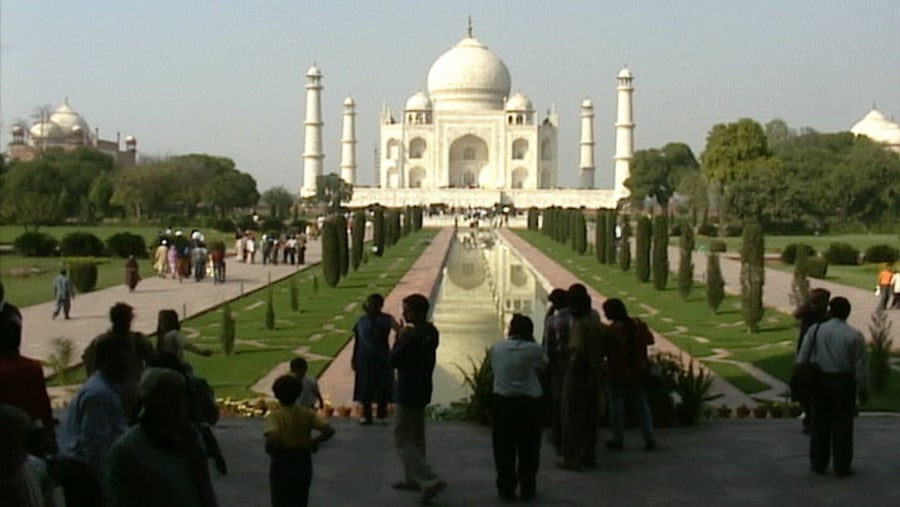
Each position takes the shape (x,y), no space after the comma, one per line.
(36,244)
(842,254)
(124,244)
(83,274)
(816,267)
(81,244)
(789,252)
(882,253)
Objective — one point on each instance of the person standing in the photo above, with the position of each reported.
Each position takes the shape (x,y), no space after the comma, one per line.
(311,395)
(301,249)
(172,257)
(626,372)
(10,317)
(885,287)
(810,313)
(556,344)
(161,258)
(95,418)
(64,293)
(170,339)
(516,434)
(132,273)
(414,356)
(840,352)
(371,361)
(581,386)
(895,284)
(217,257)
(290,444)
(161,461)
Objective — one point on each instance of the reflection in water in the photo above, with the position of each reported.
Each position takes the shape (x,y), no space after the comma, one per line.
(484,284)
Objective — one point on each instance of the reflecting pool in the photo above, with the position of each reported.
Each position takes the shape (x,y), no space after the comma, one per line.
(483,284)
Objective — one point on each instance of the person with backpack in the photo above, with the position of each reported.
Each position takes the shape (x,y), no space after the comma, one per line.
(626,372)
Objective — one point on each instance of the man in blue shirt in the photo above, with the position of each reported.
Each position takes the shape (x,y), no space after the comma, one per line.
(64,293)
(95,419)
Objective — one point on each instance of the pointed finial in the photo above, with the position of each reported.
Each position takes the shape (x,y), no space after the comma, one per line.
(469,28)
(66,100)
(873,105)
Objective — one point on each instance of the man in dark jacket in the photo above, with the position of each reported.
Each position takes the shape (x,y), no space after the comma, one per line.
(414,356)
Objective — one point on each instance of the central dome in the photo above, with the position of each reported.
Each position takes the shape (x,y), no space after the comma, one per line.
(468,76)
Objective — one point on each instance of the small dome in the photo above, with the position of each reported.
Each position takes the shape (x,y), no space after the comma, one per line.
(587,104)
(66,118)
(17,130)
(518,102)
(877,127)
(625,73)
(314,71)
(468,76)
(130,140)
(349,101)
(45,130)
(418,102)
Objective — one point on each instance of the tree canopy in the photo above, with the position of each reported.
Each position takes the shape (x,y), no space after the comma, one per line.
(332,190)
(657,173)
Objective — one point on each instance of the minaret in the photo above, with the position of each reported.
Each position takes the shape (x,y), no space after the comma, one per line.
(624,133)
(587,144)
(312,152)
(348,142)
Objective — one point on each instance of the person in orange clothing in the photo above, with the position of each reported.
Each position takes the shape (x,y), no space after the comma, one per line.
(884,286)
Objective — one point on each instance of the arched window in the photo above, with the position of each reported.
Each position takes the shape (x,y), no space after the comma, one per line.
(518,177)
(392,151)
(519,149)
(545,150)
(469,154)
(417,148)
(469,179)
(416,177)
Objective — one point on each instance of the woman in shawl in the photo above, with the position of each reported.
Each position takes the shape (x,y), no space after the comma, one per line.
(371,358)
(581,393)
(132,273)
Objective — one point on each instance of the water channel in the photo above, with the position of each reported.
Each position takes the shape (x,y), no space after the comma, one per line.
(484,283)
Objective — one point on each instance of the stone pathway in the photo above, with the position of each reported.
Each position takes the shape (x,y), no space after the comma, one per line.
(90,311)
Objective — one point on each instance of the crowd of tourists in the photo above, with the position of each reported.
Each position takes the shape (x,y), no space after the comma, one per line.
(178,257)
(272,248)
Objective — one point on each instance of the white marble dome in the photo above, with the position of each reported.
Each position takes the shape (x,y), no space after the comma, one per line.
(45,130)
(468,76)
(587,104)
(418,102)
(877,127)
(625,73)
(67,119)
(314,71)
(519,102)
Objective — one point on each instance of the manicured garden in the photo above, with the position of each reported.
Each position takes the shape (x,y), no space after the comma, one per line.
(692,327)
(322,326)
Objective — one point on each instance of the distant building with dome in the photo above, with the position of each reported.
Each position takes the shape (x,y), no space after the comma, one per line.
(64,128)
(467,141)
(878,128)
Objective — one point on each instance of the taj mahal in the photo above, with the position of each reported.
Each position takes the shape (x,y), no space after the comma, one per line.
(467,142)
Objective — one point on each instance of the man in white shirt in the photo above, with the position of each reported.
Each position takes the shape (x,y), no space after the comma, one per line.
(517,406)
(840,351)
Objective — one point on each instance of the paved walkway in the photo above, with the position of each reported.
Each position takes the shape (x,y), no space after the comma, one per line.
(424,277)
(90,311)
(733,463)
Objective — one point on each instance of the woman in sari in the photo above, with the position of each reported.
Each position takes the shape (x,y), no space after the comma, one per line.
(132,273)
(371,359)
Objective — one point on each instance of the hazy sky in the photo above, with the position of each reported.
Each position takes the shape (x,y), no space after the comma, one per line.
(226,77)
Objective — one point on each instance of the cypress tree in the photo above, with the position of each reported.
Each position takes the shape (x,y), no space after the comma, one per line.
(660,251)
(686,262)
(378,231)
(331,256)
(270,310)
(600,232)
(343,244)
(357,239)
(396,231)
(753,275)
(580,233)
(800,281)
(642,257)
(611,236)
(625,249)
(295,294)
(407,220)
(227,330)
(715,283)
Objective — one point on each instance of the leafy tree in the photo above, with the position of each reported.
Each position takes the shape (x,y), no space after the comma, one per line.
(331,191)
(32,195)
(777,132)
(686,263)
(660,251)
(715,282)
(694,189)
(279,200)
(642,243)
(753,275)
(230,190)
(658,172)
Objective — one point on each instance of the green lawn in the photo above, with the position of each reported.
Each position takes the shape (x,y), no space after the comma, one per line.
(323,324)
(9,233)
(690,325)
(29,280)
(861,277)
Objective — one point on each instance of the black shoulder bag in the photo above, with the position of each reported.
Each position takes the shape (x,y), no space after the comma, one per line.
(805,378)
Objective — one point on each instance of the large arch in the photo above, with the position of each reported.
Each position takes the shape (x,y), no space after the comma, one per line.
(519,176)
(392,149)
(417,147)
(519,149)
(469,155)
(393,178)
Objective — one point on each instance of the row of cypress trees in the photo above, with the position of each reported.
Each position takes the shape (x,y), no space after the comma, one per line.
(340,253)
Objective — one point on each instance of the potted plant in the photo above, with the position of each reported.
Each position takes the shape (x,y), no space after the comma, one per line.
(760,411)
(344,411)
(693,385)
(776,410)
(479,381)
(328,410)
(743,412)
(724,411)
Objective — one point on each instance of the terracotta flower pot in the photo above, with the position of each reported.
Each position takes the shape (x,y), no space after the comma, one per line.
(760,411)
(776,410)
(328,411)
(794,410)
(742,412)
(724,412)
(344,411)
